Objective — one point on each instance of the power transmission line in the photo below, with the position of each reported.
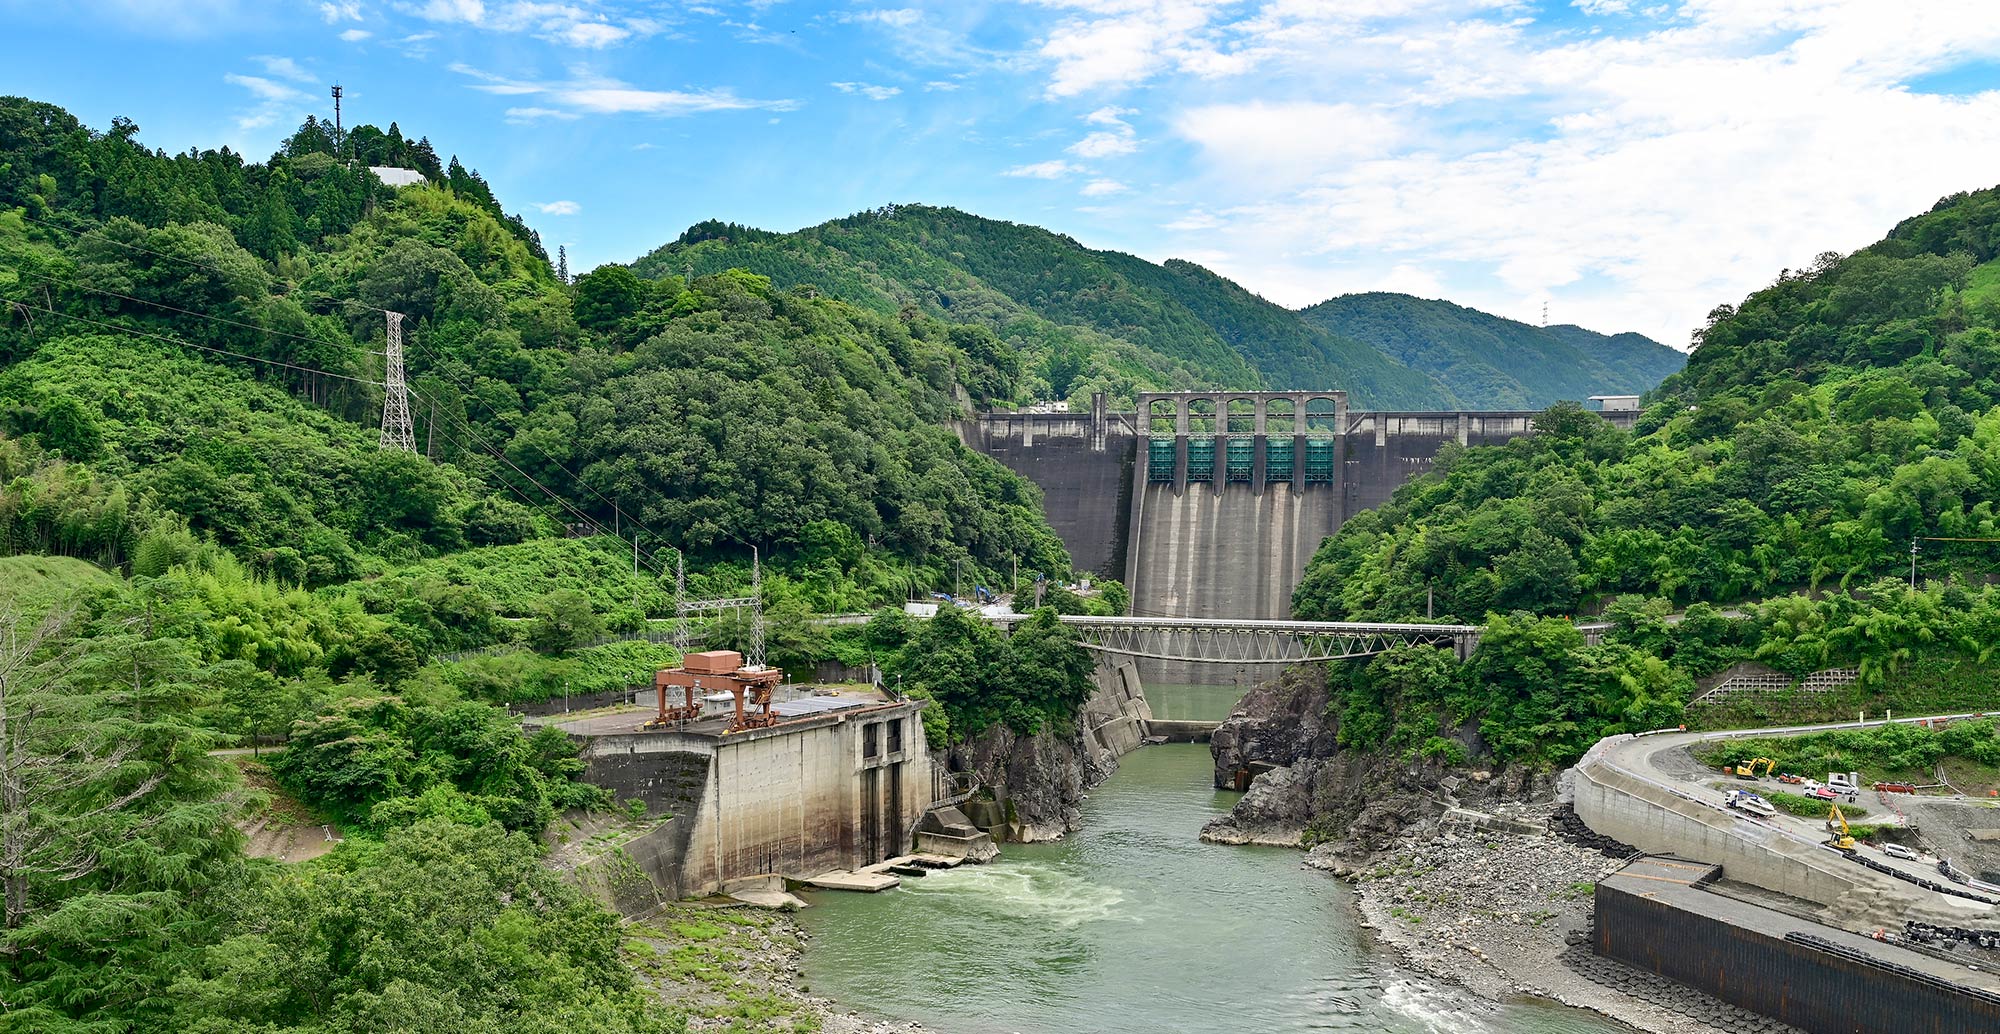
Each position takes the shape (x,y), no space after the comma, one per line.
(59,282)
(190,344)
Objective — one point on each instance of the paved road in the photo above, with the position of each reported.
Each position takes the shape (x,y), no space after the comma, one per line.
(1658,759)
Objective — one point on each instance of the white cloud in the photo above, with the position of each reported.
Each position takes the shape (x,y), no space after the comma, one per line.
(1639,180)
(593,95)
(285,68)
(1104,145)
(1049,170)
(356,35)
(337,11)
(529,115)
(274,102)
(575,25)
(559,207)
(940,86)
(868,90)
(1287,141)
(265,89)
(1104,188)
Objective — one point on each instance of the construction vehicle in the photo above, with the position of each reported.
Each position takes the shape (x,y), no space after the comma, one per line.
(1843,835)
(1790,778)
(1748,769)
(1750,803)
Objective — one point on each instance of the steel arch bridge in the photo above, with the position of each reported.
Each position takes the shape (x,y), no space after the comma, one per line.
(1227,641)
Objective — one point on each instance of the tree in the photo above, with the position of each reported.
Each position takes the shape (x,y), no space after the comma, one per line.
(563,621)
(1539,575)
(607,295)
(112,824)
(442,927)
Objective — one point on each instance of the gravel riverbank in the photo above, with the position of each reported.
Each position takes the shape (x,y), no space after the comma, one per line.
(1506,913)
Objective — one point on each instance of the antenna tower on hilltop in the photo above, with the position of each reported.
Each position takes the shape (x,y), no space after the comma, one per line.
(396,430)
(337,131)
(756,611)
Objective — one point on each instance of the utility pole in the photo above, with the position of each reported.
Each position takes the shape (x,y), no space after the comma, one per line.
(1913,565)
(396,431)
(680,604)
(756,611)
(338,132)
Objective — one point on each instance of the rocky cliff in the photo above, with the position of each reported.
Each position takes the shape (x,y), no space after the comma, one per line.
(1304,789)
(1032,787)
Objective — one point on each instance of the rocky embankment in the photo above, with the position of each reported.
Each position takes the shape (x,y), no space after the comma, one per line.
(1476,875)
(1307,790)
(1032,787)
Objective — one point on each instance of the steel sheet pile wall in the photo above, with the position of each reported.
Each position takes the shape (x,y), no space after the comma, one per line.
(1756,968)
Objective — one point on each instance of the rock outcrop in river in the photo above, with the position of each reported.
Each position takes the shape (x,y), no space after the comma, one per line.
(1033,785)
(1303,786)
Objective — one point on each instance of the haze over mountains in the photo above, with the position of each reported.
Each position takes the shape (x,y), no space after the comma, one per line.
(1084,320)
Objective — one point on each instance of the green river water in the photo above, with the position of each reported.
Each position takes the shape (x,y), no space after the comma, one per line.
(1133,925)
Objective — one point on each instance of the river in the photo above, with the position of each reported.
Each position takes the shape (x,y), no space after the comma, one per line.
(1132,926)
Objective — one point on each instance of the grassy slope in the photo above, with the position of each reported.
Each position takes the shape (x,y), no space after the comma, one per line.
(31,580)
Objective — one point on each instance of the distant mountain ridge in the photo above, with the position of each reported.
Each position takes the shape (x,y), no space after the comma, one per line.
(1083,320)
(1491,362)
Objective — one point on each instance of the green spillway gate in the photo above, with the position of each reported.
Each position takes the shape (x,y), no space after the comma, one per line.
(1160,459)
(1201,458)
(1319,461)
(1278,460)
(1240,461)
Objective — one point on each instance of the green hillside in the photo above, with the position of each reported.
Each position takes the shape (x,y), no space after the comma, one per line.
(1494,363)
(1823,427)
(1080,319)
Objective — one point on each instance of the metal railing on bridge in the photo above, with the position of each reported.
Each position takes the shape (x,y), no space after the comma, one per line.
(1227,641)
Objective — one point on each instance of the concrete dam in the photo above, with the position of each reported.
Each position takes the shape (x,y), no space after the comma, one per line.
(1209,504)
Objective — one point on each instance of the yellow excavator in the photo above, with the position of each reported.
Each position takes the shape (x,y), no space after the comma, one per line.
(1748,769)
(1842,838)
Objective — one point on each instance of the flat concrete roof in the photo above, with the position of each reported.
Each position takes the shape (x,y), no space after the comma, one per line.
(1678,882)
(791,702)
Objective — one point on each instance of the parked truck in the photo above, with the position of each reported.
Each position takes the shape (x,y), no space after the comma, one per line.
(1751,804)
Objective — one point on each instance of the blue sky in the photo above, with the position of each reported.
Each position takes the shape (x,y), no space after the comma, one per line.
(1629,163)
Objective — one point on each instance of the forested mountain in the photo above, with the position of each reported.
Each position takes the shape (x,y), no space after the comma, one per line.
(202,543)
(1494,363)
(1823,429)
(1082,319)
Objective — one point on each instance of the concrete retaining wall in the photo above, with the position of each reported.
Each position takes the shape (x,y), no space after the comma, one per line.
(1652,818)
(796,800)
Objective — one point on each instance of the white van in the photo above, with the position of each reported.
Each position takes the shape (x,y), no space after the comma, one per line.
(1899,851)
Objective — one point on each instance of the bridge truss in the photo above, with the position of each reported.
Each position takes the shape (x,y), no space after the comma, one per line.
(1224,641)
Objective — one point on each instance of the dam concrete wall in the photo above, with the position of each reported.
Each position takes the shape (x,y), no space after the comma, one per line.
(1209,504)
(1083,464)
